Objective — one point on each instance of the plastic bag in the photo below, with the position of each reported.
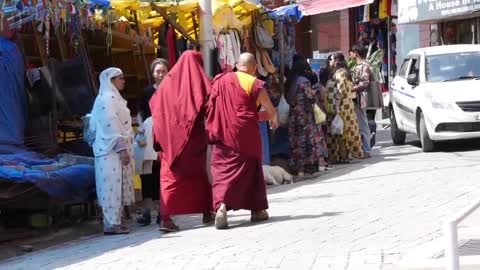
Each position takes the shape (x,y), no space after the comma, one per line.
(283,110)
(318,114)
(337,125)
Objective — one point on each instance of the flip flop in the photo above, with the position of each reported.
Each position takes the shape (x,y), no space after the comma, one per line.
(327,167)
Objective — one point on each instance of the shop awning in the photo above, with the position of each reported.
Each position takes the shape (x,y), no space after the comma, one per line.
(313,7)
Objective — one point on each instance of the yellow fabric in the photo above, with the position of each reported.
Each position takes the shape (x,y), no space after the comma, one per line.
(383,12)
(221,9)
(137,182)
(246,81)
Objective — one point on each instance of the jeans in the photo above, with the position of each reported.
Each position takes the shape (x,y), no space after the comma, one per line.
(373,125)
(364,128)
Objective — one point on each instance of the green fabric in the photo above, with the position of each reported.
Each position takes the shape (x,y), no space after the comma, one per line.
(376,60)
(351,63)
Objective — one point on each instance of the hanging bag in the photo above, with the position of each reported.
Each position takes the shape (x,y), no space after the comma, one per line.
(283,109)
(337,125)
(318,114)
(263,39)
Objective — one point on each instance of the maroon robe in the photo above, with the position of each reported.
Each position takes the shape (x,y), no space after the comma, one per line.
(232,124)
(178,122)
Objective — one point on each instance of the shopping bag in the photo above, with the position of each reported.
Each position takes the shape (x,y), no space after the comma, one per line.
(337,125)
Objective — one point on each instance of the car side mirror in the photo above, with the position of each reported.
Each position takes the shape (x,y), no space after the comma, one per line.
(412,79)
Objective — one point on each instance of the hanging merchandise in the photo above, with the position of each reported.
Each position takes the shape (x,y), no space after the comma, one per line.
(283,110)
(263,39)
(266,62)
(171,45)
(261,70)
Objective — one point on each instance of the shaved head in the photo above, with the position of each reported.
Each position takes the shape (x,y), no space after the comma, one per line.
(247,63)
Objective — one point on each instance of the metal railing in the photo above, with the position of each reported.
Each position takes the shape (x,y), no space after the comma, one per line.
(450,230)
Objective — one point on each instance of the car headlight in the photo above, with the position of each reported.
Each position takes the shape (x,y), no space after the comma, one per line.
(443,105)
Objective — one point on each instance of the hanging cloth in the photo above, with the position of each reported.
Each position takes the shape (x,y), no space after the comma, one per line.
(171,45)
(374,9)
(366,17)
(389,7)
(394,8)
(230,62)
(383,9)
(235,45)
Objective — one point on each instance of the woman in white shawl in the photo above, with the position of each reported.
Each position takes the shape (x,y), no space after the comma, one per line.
(113,149)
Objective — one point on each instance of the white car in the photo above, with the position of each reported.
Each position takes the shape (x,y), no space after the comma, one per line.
(436,95)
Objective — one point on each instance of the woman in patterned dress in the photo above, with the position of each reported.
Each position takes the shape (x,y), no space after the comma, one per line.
(113,149)
(307,143)
(345,147)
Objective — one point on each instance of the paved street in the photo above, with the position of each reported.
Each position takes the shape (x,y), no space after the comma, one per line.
(361,216)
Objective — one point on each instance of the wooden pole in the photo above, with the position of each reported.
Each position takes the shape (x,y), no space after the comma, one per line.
(133,39)
(87,64)
(140,46)
(195,25)
(174,24)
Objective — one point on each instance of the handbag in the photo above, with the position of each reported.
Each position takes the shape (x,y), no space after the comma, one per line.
(267,62)
(318,114)
(261,70)
(262,37)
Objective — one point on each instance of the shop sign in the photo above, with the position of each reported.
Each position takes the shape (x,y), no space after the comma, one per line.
(410,11)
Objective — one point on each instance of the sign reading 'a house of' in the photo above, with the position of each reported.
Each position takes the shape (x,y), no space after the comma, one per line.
(429,10)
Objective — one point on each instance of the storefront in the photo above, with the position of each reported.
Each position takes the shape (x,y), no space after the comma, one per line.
(450,22)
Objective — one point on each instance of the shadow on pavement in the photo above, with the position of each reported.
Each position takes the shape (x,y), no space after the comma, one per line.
(276,219)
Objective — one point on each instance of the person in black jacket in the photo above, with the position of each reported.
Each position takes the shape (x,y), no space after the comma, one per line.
(150,182)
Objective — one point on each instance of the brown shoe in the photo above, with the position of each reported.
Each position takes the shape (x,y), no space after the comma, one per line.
(259,216)
(168,226)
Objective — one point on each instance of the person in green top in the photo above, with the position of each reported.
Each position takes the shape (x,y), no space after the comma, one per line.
(351,62)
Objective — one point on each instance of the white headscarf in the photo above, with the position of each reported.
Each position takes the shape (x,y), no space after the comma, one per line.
(110,115)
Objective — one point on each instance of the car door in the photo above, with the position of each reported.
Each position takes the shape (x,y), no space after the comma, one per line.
(409,93)
(397,94)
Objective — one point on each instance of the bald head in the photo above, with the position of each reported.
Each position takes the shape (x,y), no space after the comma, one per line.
(247,63)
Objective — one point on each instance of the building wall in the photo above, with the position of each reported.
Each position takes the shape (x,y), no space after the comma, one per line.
(303,37)
(424,35)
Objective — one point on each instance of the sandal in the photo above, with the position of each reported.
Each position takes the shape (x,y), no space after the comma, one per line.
(325,167)
(117,230)
(168,227)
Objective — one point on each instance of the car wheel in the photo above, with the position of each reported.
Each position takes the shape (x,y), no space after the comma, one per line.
(427,144)
(398,136)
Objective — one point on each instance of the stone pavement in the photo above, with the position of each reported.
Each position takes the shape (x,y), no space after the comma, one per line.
(361,216)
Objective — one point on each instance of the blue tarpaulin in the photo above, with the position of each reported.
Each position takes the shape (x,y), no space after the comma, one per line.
(13,109)
(287,12)
(70,183)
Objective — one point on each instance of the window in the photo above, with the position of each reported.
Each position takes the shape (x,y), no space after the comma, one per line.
(452,66)
(403,68)
(415,66)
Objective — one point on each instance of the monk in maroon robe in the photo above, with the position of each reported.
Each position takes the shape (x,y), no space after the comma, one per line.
(232,124)
(178,111)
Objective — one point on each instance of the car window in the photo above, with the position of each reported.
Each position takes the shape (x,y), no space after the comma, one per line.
(403,69)
(415,66)
(452,66)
